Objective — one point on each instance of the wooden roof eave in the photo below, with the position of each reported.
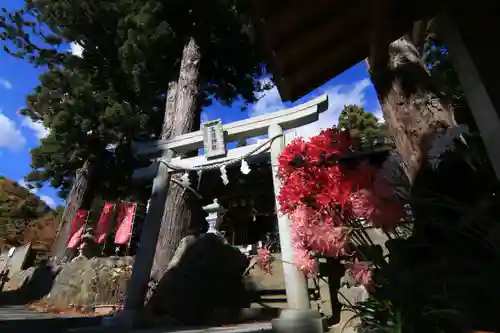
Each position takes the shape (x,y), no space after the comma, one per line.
(304,54)
(272,29)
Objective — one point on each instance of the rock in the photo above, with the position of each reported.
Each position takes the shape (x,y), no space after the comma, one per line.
(205,276)
(18,279)
(184,244)
(28,286)
(86,282)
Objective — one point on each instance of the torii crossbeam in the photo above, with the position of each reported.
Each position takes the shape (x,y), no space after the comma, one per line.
(272,124)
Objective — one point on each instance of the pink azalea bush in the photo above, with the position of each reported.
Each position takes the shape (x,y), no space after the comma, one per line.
(264,259)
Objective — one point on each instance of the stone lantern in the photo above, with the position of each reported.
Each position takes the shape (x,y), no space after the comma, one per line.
(215,213)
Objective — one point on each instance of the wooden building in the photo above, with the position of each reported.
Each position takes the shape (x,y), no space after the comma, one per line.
(248,201)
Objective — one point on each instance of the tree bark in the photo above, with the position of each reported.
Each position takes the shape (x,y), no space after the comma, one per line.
(410,104)
(168,127)
(415,112)
(80,197)
(182,115)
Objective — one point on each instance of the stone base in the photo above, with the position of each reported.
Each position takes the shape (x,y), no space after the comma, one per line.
(298,321)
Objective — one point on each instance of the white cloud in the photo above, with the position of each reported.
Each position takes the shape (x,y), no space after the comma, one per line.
(204,117)
(49,201)
(76,49)
(338,97)
(24,184)
(10,136)
(6,84)
(268,101)
(380,116)
(37,127)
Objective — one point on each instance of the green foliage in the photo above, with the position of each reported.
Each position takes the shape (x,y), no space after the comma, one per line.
(377,316)
(95,104)
(363,126)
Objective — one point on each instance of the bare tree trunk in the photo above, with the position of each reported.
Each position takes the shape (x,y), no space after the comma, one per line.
(411,105)
(80,197)
(415,112)
(182,115)
(169,119)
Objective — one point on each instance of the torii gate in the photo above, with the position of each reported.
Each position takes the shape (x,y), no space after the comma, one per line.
(274,125)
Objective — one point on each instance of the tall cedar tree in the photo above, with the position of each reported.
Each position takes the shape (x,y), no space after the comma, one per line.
(133,52)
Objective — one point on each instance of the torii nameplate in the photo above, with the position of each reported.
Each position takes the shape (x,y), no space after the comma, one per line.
(213,139)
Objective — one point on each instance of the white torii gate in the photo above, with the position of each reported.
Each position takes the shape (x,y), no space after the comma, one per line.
(273,125)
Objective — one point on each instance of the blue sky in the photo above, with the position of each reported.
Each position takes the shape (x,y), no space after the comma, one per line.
(18,134)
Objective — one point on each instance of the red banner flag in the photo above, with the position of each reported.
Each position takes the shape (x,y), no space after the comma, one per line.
(102,229)
(77,229)
(125,222)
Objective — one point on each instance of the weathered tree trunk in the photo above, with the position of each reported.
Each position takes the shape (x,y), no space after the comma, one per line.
(169,119)
(80,197)
(182,115)
(415,113)
(410,103)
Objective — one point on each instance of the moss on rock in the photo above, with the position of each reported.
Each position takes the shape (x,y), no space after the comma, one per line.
(87,282)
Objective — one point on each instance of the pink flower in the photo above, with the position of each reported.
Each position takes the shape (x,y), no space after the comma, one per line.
(361,204)
(360,272)
(302,215)
(322,196)
(305,262)
(264,259)
(316,232)
(330,240)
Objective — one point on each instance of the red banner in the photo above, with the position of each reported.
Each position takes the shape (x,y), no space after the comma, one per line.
(104,223)
(77,229)
(125,222)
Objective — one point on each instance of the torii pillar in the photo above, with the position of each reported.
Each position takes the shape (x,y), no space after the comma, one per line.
(300,318)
